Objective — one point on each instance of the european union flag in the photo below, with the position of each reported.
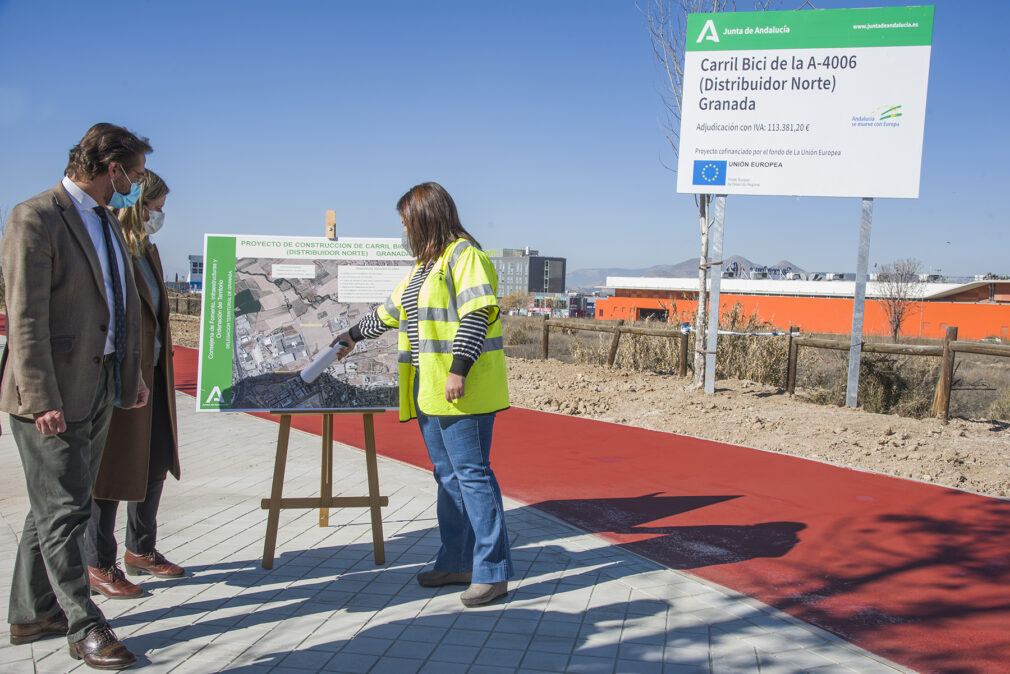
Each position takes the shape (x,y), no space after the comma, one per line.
(707,172)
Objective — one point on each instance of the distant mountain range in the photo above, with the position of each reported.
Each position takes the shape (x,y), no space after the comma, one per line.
(740,266)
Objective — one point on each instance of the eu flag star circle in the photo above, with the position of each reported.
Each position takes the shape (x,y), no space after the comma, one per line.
(710,176)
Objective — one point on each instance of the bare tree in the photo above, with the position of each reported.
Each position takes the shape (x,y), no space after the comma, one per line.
(514,301)
(667,23)
(900,287)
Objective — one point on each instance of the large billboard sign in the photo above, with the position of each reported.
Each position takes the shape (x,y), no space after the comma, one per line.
(809,103)
(271,307)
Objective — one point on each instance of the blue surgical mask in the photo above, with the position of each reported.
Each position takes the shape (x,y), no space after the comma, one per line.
(124,200)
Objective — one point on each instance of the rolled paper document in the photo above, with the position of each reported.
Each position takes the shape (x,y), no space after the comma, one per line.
(322,361)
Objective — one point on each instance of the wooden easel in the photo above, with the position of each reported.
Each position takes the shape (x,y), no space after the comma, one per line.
(326,500)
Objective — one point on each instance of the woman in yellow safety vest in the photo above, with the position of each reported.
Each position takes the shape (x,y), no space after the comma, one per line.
(453,381)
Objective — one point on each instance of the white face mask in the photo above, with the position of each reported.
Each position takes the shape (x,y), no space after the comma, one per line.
(156,220)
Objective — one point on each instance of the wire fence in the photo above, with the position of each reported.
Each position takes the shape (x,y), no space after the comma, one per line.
(947,351)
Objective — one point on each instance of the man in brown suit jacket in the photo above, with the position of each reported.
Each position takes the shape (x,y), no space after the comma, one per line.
(72,353)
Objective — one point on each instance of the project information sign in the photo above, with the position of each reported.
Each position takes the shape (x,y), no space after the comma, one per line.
(271,305)
(824,103)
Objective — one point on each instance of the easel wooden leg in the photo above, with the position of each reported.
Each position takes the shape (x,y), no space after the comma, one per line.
(274,511)
(378,545)
(374,501)
(326,470)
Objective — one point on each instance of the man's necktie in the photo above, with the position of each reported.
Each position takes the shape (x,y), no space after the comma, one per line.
(118,303)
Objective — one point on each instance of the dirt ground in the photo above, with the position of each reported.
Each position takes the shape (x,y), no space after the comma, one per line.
(973,455)
(186,330)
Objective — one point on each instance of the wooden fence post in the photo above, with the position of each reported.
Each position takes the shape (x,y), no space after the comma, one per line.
(546,338)
(794,356)
(184,304)
(790,363)
(941,402)
(682,364)
(614,342)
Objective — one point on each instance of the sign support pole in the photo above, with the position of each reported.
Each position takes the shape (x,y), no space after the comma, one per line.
(715,269)
(859,304)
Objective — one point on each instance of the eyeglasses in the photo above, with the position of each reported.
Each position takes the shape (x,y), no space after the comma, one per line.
(131,179)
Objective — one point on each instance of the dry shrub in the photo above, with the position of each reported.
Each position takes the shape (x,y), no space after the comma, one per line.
(888,384)
(761,359)
(652,354)
(520,335)
(635,352)
(999,410)
(590,348)
(647,353)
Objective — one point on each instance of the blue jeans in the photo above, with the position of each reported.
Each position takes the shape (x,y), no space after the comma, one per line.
(471,519)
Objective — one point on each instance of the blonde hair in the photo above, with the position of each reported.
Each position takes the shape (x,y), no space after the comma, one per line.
(152,188)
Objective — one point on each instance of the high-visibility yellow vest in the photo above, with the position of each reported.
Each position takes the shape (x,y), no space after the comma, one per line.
(461,281)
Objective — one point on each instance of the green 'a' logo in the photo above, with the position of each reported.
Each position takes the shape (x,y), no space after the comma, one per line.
(708,32)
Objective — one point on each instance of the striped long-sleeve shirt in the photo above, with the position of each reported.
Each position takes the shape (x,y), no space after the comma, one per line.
(466,347)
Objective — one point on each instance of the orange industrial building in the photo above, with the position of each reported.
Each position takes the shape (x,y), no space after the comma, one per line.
(980,309)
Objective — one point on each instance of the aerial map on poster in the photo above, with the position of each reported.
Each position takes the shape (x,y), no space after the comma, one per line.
(271,307)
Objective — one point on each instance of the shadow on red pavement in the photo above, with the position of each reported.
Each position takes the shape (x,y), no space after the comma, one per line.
(917,573)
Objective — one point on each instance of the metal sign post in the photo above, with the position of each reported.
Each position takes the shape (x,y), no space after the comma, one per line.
(715,269)
(859,304)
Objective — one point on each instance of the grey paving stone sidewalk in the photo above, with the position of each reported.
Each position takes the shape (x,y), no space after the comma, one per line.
(576,605)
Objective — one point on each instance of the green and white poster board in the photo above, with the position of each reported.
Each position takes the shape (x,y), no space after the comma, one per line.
(271,305)
(824,103)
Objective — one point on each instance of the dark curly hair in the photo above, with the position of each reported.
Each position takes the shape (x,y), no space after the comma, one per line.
(102,145)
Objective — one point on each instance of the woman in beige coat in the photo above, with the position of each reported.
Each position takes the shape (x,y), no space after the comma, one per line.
(142,445)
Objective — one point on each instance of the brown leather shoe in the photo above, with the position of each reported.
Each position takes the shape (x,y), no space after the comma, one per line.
(112,583)
(101,649)
(25,633)
(153,563)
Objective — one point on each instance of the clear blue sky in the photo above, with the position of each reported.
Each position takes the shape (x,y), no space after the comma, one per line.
(540,118)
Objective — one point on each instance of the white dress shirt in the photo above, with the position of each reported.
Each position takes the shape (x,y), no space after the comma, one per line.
(85,203)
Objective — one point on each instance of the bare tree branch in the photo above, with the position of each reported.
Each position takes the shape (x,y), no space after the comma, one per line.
(901,287)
